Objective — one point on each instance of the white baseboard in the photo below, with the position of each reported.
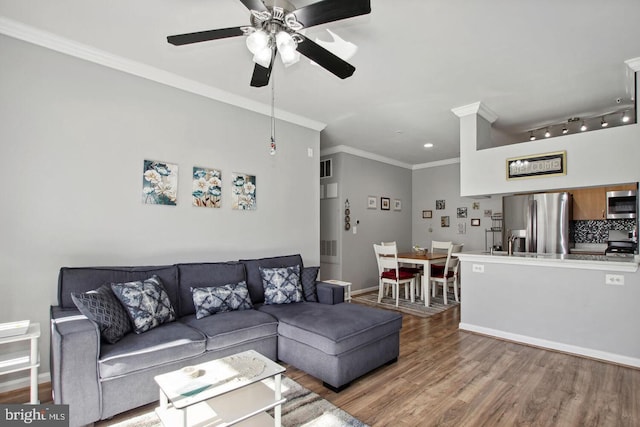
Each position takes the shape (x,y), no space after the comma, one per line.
(364,291)
(553,345)
(19,383)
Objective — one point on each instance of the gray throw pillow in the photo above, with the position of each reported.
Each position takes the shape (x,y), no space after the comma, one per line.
(102,307)
(219,299)
(281,285)
(146,302)
(308,278)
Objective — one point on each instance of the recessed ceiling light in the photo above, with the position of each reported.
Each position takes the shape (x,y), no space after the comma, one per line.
(625,118)
(428,145)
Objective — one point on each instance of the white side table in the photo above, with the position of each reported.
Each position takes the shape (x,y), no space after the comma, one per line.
(345,285)
(23,360)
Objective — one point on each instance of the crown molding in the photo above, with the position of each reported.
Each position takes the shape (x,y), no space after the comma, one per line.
(476,108)
(633,63)
(69,47)
(371,156)
(436,164)
(365,154)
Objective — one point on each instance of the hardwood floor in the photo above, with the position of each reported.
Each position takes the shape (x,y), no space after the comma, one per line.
(447,377)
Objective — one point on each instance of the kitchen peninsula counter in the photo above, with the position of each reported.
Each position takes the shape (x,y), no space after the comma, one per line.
(580,304)
(579,261)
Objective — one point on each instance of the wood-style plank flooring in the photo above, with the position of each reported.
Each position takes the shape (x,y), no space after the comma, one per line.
(447,377)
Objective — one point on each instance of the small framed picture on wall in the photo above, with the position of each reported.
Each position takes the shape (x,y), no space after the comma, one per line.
(372,202)
(427,214)
(475,222)
(385,203)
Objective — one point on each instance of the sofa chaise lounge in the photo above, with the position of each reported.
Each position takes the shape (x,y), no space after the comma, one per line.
(333,341)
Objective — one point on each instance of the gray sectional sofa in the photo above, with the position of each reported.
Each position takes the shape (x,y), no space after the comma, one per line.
(333,341)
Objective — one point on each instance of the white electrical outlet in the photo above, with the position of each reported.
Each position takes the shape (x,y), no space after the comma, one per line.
(614,279)
(477,268)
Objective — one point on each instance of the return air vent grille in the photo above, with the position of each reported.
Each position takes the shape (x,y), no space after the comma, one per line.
(328,247)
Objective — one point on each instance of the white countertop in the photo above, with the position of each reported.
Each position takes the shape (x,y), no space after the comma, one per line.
(580,261)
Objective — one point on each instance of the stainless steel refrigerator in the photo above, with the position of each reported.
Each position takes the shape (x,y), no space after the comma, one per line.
(540,222)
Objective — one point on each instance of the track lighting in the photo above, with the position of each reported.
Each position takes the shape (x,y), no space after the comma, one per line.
(565,130)
(603,122)
(532,137)
(547,134)
(625,117)
(583,127)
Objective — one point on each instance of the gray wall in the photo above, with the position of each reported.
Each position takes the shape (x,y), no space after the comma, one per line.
(567,309)
(443,183)
(72,143)
(359,178)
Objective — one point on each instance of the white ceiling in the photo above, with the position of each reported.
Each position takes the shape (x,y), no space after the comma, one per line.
(533,62)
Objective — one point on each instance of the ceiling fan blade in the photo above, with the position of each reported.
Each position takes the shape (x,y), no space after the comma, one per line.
(324,58)
(255,5)
(203,36)
(261,74)
(331,10)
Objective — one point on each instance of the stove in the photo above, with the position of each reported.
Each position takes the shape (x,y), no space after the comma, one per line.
(621,248)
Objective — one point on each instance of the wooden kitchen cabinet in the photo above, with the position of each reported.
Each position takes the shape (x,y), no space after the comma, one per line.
(589,203)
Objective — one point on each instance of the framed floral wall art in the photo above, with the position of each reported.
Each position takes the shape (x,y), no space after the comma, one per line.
(243,192)
(159,183)
(207,187)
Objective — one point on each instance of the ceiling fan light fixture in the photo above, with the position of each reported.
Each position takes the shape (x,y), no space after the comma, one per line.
(263,57)
(257,41)
(287,47)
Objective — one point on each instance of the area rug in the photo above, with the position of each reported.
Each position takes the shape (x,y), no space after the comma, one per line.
(406,306)
(302,408)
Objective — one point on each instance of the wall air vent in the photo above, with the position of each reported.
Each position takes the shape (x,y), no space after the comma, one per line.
(326,169)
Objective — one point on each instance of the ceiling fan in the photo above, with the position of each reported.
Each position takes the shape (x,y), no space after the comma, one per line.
(274,28)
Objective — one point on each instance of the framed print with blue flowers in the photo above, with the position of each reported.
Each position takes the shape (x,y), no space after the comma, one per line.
(243,192)
(159,183)
(207,187)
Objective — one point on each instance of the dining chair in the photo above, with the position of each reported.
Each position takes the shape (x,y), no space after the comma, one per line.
(389,273)
(415,270)
(440,274)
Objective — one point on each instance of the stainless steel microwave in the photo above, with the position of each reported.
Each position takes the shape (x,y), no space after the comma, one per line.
(622,204)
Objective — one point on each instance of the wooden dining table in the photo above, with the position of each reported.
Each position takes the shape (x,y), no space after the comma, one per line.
(425,260)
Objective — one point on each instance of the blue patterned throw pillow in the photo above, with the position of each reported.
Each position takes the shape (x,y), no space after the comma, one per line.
(281,285)
(218,299)
(103,308)
(146,302)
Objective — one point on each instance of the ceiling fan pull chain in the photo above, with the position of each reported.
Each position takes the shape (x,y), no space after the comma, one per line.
(272,149)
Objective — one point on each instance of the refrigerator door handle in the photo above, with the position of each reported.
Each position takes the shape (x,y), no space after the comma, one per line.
(532,226)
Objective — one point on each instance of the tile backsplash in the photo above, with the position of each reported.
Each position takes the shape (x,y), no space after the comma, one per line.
(597,231)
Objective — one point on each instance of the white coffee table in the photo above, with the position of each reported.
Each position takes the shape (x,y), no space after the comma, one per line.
(234,390)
